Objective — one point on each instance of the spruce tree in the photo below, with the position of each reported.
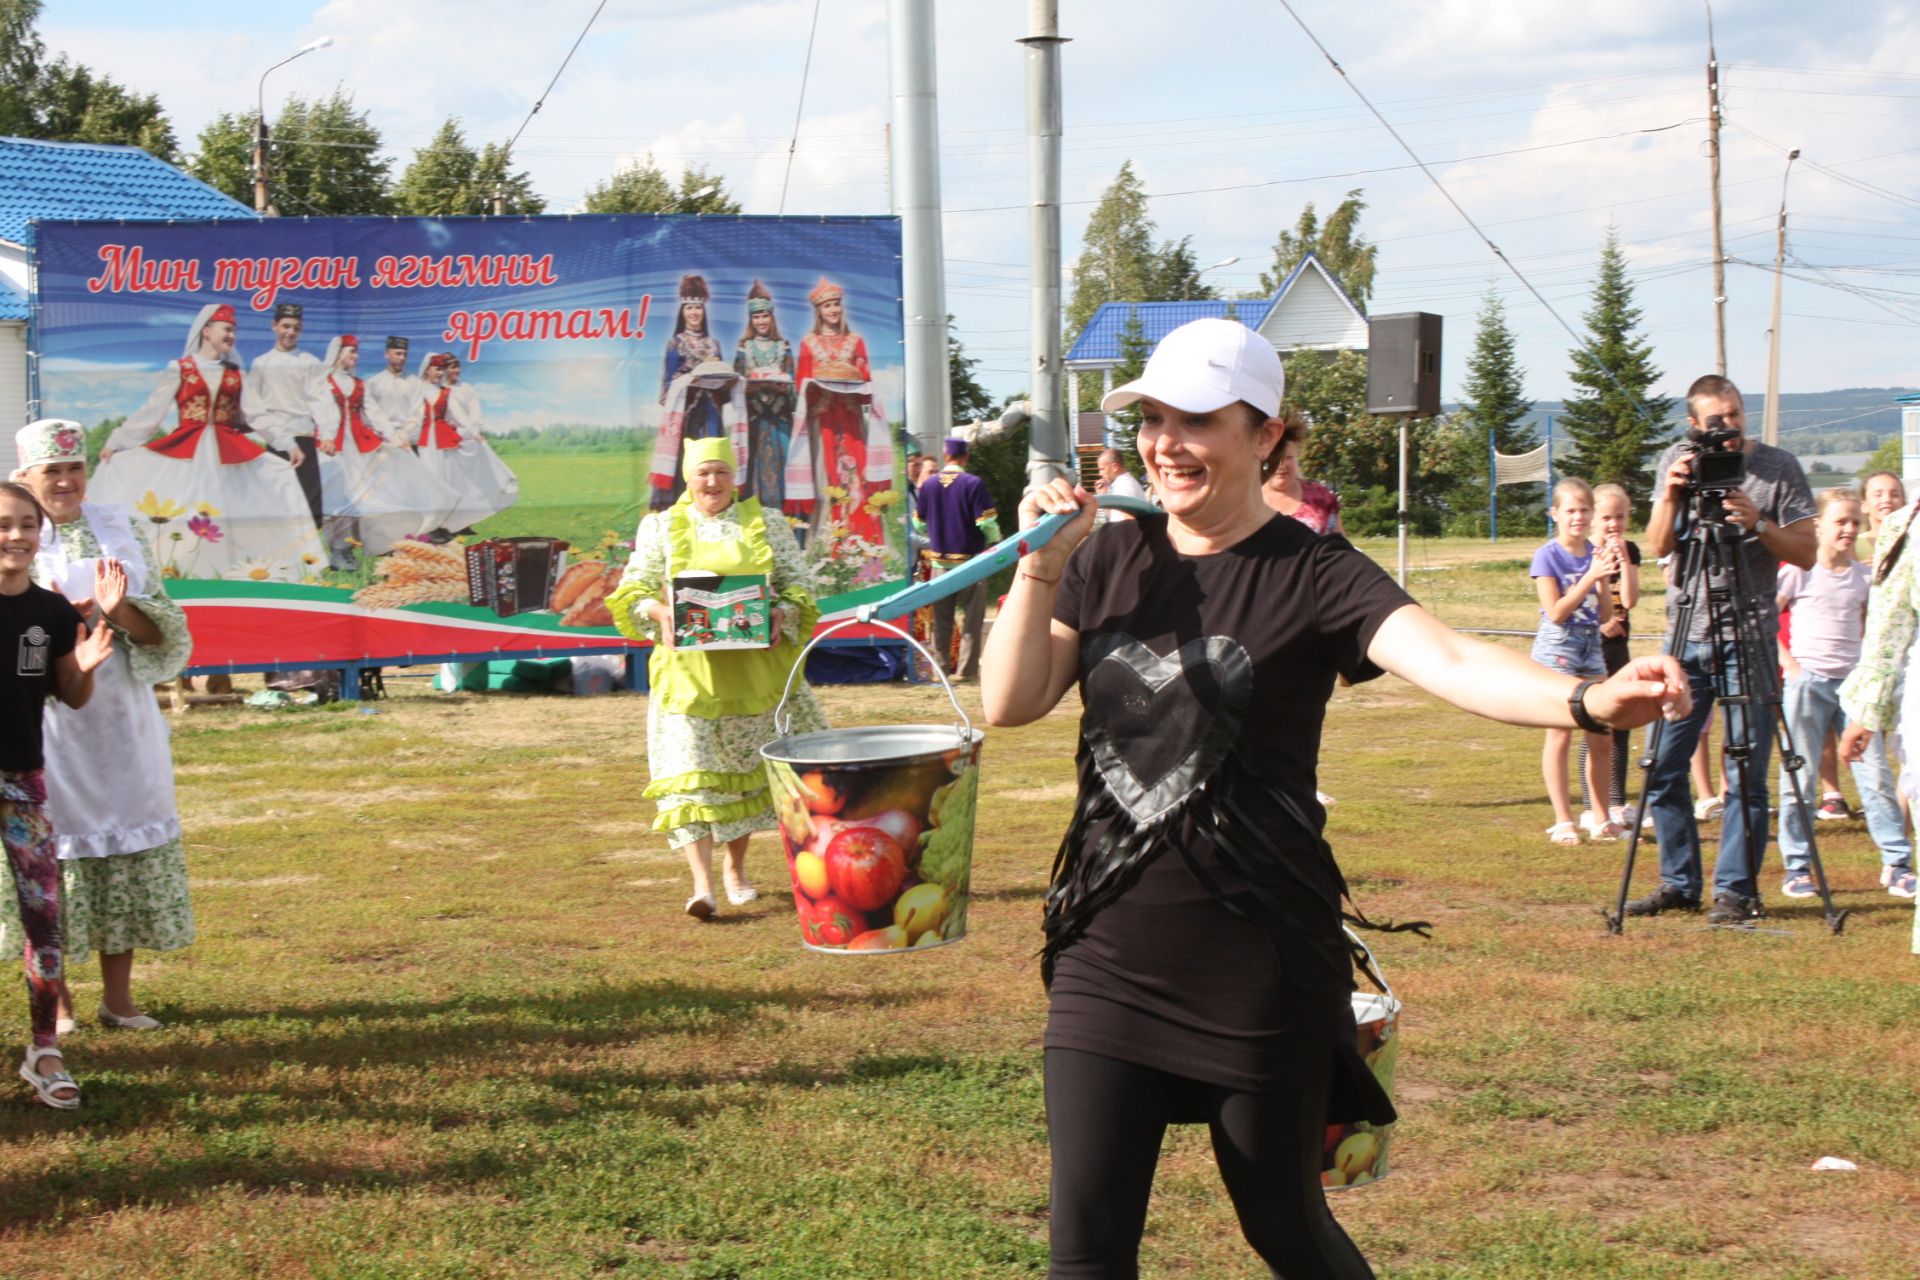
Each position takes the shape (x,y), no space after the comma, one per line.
(1616,426)
(642,187)
(1494,410)
(449,177)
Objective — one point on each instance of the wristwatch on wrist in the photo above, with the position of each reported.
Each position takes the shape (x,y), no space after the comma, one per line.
(1577,704)
(1760,526)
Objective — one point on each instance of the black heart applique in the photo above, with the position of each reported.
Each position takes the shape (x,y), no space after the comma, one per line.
(1159,727)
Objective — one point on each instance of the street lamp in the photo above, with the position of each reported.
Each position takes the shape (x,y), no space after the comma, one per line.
(1193,281)
(260,123)
(695,197)
(1770,431)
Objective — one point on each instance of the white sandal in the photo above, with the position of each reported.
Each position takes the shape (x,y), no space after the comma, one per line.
(1601,832)
(45,1085)
(1563,833)
(702,907)
(742,895)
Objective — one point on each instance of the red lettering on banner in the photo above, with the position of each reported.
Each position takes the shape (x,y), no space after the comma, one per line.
(127,270)
(477,328)
(467,271)
(266,278)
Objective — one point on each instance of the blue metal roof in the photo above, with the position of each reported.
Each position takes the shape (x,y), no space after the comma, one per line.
(1099,342)
(13,303)
(97,182)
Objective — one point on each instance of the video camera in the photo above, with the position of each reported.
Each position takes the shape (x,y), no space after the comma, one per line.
(1719,467)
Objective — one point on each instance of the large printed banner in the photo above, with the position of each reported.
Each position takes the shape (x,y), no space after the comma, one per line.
(360,439)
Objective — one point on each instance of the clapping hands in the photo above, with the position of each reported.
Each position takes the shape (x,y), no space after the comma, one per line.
(91,648)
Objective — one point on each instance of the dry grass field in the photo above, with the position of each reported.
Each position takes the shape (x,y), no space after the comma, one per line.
(445,1020)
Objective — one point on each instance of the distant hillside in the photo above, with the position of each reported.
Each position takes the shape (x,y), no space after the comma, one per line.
(1849,420)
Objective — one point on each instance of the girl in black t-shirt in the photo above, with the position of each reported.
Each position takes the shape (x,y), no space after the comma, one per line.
(1193,954)
(45,651)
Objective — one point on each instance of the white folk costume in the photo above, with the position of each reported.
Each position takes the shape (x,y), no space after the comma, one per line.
(457,454)
(395,397)
(274,399)
(842,448)
(250,517)
(109,767)
(374,489)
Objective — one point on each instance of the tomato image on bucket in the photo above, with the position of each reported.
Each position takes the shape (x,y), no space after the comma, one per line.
(877,825)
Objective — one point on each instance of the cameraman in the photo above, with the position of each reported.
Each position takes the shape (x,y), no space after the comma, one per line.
(1771,514)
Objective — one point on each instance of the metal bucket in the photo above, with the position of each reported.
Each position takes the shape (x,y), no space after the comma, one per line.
(877,826)
(1356,1154)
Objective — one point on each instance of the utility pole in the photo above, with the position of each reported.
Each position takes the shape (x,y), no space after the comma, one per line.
(1049,439)
(260,164)
(1771,431)
(916,139)
(1713,169)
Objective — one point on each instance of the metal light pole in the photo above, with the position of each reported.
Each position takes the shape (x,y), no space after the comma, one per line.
(1771,431)
(1193,281)
(916,143)
(260,124)
(1049,442)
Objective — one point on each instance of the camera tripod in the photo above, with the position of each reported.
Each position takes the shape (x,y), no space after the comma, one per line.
(1712,568)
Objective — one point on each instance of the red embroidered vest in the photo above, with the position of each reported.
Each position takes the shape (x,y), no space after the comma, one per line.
(434,424)
(365,438)
(197,406)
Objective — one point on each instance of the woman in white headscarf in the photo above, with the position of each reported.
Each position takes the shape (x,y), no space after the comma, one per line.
(111,802)
(373,489)
(456,452)
(251,519)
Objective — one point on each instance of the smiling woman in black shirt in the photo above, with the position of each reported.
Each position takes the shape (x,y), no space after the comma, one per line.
(1194,959)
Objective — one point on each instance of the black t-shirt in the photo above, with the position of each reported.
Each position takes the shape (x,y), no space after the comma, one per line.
(1205,681)
(36,631)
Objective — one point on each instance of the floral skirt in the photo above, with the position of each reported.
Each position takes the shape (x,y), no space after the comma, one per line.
(125,902)
(709,778)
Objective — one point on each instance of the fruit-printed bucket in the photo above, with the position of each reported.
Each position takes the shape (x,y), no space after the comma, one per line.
(877,825)
(1356,1153)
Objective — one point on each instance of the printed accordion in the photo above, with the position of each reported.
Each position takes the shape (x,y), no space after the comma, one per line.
(514,575)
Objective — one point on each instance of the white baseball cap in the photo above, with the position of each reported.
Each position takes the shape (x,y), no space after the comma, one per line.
(1206,365)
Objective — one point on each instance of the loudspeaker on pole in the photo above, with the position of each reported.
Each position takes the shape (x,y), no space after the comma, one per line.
(1403,364)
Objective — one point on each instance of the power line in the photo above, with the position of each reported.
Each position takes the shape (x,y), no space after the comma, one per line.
(541,101)
(799,107)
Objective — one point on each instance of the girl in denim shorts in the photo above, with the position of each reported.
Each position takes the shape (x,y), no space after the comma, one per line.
(1570,576)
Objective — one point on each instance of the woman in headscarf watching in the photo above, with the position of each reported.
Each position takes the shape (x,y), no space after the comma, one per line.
(710,712)
(1194,955)
(109,767)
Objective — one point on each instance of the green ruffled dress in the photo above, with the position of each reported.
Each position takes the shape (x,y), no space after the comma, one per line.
(709,713)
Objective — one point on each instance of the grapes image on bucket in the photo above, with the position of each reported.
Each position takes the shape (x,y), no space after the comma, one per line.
(877,826)
(1356,1154)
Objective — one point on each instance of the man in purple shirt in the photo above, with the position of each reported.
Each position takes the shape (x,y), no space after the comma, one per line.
(961,524)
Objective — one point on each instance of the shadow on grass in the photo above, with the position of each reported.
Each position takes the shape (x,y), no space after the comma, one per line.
(1018,893)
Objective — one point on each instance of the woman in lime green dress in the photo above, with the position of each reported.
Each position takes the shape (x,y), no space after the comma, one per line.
(710,712)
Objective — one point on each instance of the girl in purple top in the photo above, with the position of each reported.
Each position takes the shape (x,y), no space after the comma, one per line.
(1570,577)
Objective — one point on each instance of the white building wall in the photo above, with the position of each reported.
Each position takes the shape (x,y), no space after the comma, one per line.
(1312,316)
(13,387)
(1910,447)
(13,264)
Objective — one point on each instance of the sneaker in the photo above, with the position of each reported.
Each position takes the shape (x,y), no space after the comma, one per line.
(1902,883)
(1798,884)
(1665,898)
(1709,809)
(1734,908)
(1833,808)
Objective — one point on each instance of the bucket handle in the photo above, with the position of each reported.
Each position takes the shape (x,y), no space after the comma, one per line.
(783,718)
(1373,965)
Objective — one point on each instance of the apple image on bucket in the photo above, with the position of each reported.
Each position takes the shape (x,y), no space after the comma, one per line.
(1356,1154)
(877,826)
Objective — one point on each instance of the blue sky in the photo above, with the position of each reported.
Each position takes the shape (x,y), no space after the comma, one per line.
(1533,117)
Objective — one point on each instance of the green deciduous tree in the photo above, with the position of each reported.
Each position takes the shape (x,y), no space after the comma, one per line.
(1615,424)
(448,177)
(1885,458)
(643,187)
(1358,454)
(1494,410)
(63,101)
(323,158)
(1336,242)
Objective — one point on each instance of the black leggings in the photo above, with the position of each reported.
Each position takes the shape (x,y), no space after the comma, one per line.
(1105,1120)
(1615,653)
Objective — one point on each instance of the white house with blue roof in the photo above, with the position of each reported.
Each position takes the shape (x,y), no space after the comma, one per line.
(85,181)
(1310,311)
